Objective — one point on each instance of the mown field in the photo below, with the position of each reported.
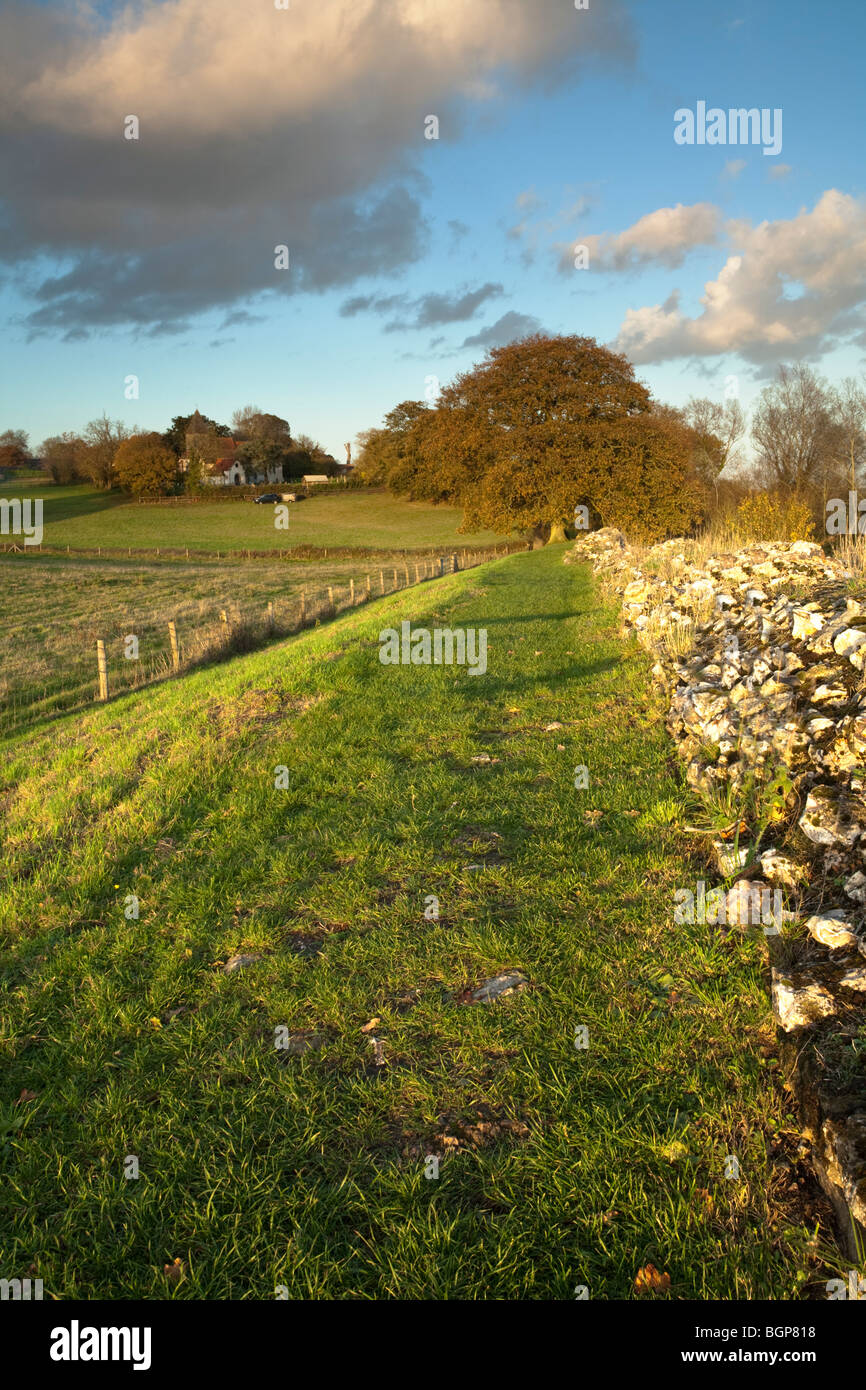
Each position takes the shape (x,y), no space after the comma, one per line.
(86,518)
(283,1116)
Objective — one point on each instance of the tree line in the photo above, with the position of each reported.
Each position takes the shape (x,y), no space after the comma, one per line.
(110,453)
(548,429)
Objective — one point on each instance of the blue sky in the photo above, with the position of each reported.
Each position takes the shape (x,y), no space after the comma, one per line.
(530,159)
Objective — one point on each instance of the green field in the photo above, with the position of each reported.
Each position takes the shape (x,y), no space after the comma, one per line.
(53,608)
(83,517)
(304,1166)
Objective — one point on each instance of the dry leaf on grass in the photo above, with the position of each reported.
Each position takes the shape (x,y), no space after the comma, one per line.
(648,1280)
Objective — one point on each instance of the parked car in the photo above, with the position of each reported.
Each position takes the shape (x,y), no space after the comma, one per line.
(268,497)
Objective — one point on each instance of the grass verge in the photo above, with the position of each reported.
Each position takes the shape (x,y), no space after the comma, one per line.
(304,1166)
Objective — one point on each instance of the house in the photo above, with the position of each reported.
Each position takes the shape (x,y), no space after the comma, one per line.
(230,471)
(225,472)
(309,478)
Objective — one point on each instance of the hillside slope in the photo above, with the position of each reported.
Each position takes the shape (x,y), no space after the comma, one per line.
(303,1166)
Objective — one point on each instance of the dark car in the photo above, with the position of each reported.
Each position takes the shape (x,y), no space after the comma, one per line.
(268,497)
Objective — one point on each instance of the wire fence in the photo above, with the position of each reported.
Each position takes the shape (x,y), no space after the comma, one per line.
(124,663)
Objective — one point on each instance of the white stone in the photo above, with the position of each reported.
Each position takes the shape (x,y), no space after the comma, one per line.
(832,930)
(798,1006)
(848,641)
(855,888)
(500,985)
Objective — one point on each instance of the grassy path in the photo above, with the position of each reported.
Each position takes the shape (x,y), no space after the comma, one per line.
(263,1166)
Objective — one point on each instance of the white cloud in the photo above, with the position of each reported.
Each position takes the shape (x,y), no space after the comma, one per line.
(665,236)
(258,126)
(746,309)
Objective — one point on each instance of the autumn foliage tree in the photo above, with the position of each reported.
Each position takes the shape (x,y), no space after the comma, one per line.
(643,479)
(145,466)
(540,427)
(99,444)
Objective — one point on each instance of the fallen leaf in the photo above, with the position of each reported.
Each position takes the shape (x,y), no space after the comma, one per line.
(648,1280)
(368,1027)
(174,1272)
(674,1151)
(26,1096)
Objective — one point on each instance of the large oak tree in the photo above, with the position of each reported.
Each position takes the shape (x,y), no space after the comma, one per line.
(538,428)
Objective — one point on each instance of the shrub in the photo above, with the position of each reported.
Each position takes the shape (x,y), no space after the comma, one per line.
(768,516)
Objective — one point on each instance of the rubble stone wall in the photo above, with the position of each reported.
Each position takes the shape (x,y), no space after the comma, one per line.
(760,655)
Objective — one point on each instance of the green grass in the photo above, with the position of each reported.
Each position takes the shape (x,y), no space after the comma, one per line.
(83,517)
(53,608)
(258,1169)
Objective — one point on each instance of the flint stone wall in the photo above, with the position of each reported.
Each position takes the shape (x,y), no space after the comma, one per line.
(761,657)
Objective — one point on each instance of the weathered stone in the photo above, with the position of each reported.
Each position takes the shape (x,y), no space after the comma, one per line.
(779,869)
(855,888)
(239,962)
(823,821)
(499,986)
(805,623)
(848,641)
(799,1004)
(831,929)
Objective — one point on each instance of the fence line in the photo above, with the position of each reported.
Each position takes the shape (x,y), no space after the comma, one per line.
(310,610)
(298,552)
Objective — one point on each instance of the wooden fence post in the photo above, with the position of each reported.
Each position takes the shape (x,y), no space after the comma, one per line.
(352,591)
(102,669)
(175,650)
(368,586)
(271,614)
(441,565)
(396,584)
(382,580)
(406,568)
(331,598)
(303,606)
(417,574)
(454,562)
